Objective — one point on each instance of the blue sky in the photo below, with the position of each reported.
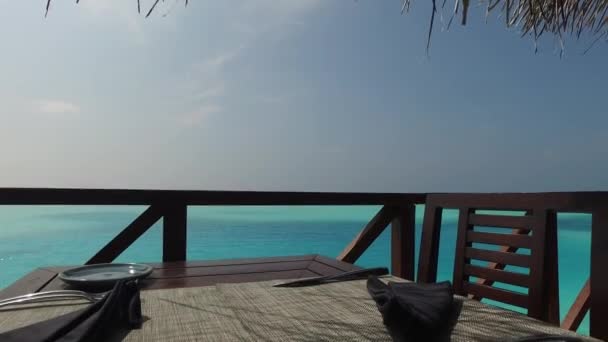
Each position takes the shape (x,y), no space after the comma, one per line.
(318,95)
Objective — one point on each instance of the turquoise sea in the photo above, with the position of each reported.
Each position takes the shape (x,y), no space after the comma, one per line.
(34,236)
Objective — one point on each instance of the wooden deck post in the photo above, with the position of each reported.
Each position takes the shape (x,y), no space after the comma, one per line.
(551,300)
(174,232)
(599,275)
(461,244)
(429,244)
(403,236)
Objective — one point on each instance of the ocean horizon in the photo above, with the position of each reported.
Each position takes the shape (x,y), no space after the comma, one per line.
(36,236)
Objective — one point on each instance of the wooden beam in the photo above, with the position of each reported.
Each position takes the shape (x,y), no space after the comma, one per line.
(497,259)
(37,196)
(538,273)
(368,235)
(125,238)
(579,308)
(559,201)
(551,300)
(459,276)
(497,294)
(504,221)
(599,275)
(502,276)
(521,241)
(429,244)
(175,233)
(403,236)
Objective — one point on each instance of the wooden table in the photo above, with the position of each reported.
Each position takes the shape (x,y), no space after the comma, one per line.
(198,273)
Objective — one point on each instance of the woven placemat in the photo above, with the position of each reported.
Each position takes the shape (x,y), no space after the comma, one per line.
(482,322)
(190,314)
(259,312)
(25,314)
(332,312)
(345,311)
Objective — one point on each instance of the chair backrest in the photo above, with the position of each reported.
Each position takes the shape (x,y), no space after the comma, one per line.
(523,256)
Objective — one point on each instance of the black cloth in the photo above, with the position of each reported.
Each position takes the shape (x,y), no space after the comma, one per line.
(119,311)
(415,312)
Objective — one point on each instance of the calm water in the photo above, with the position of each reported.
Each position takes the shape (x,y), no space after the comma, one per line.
(56,235)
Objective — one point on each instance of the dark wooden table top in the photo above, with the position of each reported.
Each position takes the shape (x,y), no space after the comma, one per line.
(198,273)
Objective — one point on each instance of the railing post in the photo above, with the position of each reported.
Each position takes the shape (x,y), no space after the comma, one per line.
(174,232)
(403,236)
(599,276)
(463,228)
(429,244)
(551,300)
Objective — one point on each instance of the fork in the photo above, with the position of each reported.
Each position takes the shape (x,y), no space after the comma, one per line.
(53,295)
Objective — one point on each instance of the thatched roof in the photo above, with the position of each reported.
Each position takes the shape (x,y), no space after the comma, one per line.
(48,5)
(538,17)
(533,17)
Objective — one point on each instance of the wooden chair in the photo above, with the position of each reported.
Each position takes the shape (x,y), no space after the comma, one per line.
(536,231)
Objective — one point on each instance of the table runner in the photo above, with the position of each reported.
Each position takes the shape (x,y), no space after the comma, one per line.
(259,312)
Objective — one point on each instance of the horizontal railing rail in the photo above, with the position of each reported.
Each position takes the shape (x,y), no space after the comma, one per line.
(397,210)
(572,202)
(30,196)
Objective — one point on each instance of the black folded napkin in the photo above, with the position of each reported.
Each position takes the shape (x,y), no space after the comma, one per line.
(415,312)
(119,311)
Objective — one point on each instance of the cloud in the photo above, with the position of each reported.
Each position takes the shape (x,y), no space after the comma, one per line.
(252,20)
(218,62)
(212,92)
(206,82)
(57,107)
(197,116)
(262,16)
(272,99)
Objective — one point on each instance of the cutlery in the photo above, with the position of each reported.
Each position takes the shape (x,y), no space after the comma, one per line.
(53,295)
(352,275)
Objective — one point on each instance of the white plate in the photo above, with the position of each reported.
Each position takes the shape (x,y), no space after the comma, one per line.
(100,275)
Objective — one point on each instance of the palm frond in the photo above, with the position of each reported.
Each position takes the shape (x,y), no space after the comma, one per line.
(534,18)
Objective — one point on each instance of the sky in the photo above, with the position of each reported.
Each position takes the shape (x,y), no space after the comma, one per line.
(293,95)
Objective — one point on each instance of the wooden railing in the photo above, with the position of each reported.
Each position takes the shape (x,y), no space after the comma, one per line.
(397,210)
(171,206)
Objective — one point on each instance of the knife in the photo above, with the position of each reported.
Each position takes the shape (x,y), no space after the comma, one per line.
(351,275)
